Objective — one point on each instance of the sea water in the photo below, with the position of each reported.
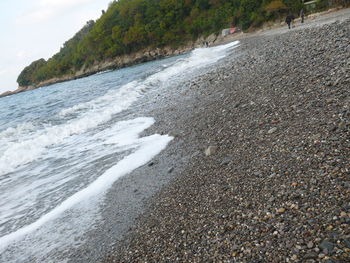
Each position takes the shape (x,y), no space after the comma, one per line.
(62,147)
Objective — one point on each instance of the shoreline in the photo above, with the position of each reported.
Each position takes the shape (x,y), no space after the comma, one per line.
(276,188)
(165,210)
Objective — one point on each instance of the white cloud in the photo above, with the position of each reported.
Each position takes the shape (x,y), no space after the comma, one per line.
(62,3)
(47,9)
(23,54)
(35,16)
(8,78)
(3,72)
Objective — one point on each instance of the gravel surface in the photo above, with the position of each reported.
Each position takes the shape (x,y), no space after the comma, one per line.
(265,143)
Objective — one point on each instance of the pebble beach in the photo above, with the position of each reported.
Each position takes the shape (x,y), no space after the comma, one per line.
(264,147)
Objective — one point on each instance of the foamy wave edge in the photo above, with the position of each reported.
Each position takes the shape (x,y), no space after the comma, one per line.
(151,146)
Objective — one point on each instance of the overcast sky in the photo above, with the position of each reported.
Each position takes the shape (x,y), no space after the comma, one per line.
(34,29)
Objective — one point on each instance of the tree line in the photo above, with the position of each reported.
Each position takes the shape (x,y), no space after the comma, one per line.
(132,25)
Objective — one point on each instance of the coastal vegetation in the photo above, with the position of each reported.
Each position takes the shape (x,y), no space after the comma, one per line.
(128,26)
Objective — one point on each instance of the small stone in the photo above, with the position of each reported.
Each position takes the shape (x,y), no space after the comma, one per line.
(269,215)
(310,255)
(294,257)
(342,125)
(329,228)
(336,82)
(235,247)
(347,242)
(326,244)
(173,134)
(289,244)
(343,214)
(294,206)
(272,130)
(247,251)
(211,150)
(321,255)
(334,128)
(310,244)
(226,161)
(281,210)
(170,170)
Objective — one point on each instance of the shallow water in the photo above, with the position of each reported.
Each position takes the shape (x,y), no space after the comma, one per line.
(63,146)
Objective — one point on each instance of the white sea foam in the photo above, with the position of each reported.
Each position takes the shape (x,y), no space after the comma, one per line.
(147,148)
(46,179)
(18,130)
(199,58)
(128,92)
(12,134)
(29,149)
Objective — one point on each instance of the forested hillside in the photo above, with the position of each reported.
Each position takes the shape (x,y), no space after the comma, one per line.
(131,25)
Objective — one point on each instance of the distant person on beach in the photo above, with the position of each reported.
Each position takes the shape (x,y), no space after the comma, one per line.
(302,15)
(289,19)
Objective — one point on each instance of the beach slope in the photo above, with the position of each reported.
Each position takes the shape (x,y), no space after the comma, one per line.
(275,186)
